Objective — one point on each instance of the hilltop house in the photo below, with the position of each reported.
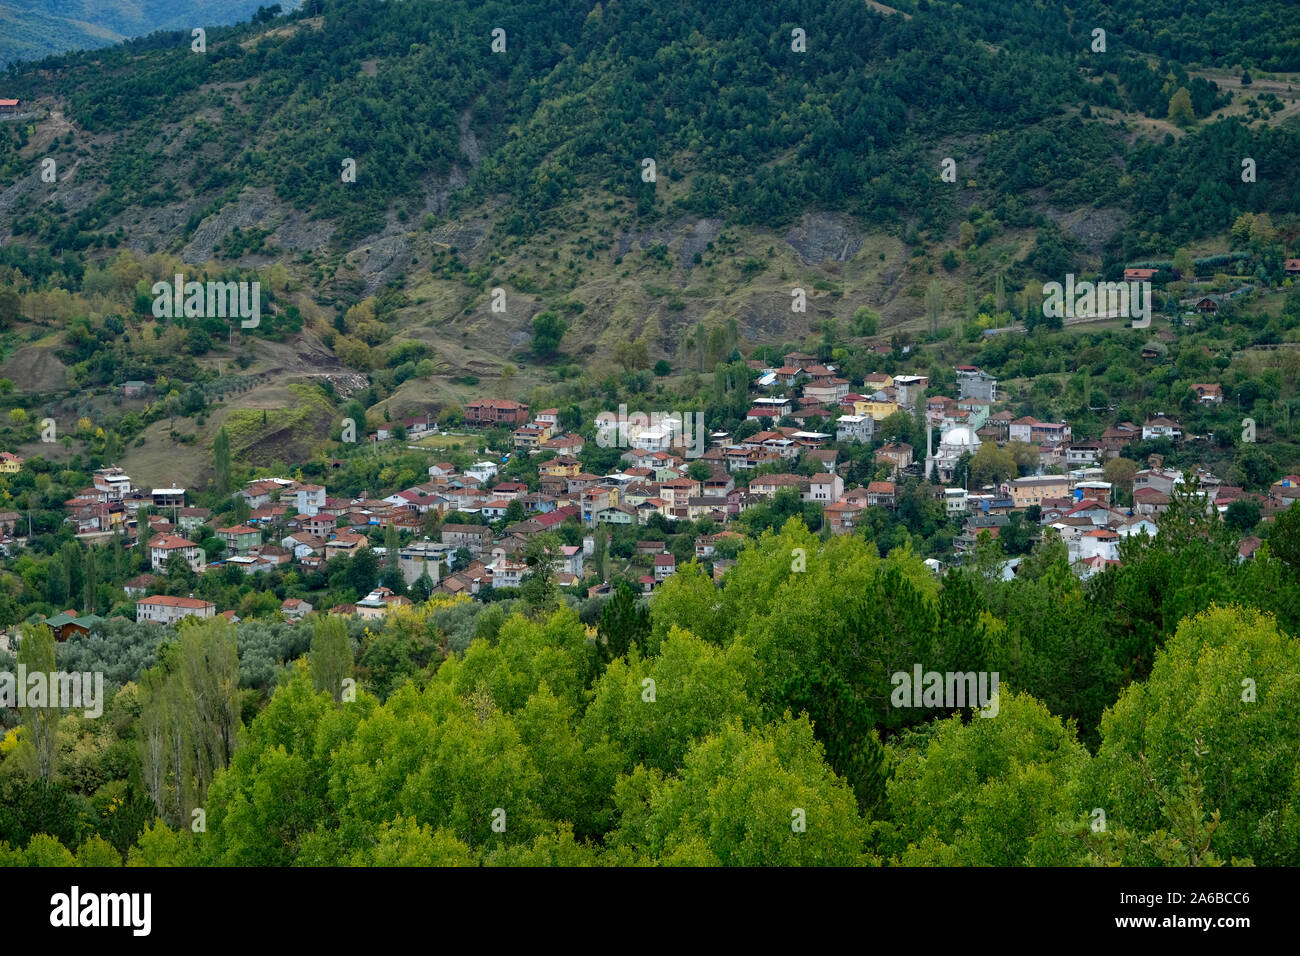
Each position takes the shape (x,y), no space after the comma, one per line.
(496,411)
(1208,394)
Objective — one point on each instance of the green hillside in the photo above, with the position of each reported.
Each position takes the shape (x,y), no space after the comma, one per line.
(801,150)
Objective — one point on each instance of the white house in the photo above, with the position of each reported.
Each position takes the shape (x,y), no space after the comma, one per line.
(858,428)
(1161,427)
(165,609)
(311,499)
(165,545)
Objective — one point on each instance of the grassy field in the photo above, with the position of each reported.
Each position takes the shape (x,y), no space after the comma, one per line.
(470,443)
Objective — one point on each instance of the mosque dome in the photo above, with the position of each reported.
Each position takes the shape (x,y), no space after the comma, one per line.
(960,437)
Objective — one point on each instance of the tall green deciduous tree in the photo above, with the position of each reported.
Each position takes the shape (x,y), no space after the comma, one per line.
(1180,108)
(1218,712)
(209,671)
(654,707)
(363,572)
(933,306)
(40,718)
(423,586)
(331,654)
(221,474)
(996,791)
(392,577)
(542,554)
(745,797)
(1284,537)
(165,747)
(189,715)
(600,553)
(90,581)
(548,331)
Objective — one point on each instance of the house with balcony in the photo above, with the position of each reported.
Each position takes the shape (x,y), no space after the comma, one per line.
(1210,394)
(239,539)
(973,382)
(1160,426)
(166,609)
(1033,491)
(910,388)
(486,412)
(855,428)
(897,455)
(164,546)
(345,544)
(876,408)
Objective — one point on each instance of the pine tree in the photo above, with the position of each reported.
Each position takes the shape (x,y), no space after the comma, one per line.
(624,622)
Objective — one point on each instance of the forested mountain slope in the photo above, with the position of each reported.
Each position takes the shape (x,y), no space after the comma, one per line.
(798,146)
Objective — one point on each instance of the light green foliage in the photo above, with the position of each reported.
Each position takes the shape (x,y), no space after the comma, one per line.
(560,848)
(991,792)
(98,852)
(1192,711)
(736,803)
(43,850)
(405,842)
(527,653)
(40,724)
(277,788)
(331,654)
(159,845)
(696,688)
(436,757)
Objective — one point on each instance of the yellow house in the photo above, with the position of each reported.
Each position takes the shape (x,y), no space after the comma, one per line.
(10,464)
(562,467)
(1032,491)
(877,410)
(532,436)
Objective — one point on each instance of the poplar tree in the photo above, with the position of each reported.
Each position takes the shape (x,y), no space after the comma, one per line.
(331,655)
(41,723)
(221,462)
(933,306)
